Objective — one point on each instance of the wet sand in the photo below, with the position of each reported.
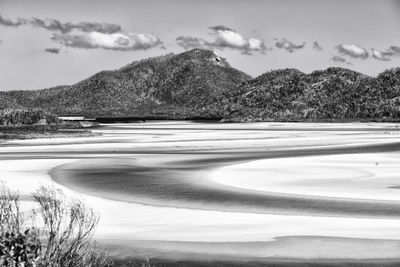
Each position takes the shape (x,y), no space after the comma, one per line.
(242,192)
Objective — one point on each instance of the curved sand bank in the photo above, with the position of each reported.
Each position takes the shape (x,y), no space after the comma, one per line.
(255,187)
(179,222)
(364,176)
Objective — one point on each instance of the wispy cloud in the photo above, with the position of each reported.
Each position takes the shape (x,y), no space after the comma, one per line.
(381,55)
(89,34)
(225,37)
(53,50)
(339,59)
(12,23)
(66,27)
(114,41)
(288,45)
(352,51)
(317,46)
(188,42)
(394,50)
(63,27)
(386,54)
(221,28)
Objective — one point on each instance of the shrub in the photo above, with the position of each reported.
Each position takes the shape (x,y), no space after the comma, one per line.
(18,247)
(63,240)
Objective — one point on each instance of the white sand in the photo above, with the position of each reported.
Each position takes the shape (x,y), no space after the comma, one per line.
(348,176)
(355,176)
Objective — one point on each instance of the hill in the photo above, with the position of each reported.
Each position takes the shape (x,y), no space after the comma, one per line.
(174,86)
(200,84)
(334,94)
(7,101)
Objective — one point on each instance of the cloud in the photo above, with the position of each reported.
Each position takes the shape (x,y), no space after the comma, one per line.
(352,51)
(12,23)
(188,42)
(339,59)
(255,45)
(113,41)
(221,28)
(386,55)
(394,50)
(225,37)
(53,50)
(63,27)
(316,46)
(381,55)
(288,45)
(390,52)
(228,38)
(56,25)
(89,34)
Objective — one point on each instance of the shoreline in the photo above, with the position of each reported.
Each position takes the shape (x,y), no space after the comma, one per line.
(143,229)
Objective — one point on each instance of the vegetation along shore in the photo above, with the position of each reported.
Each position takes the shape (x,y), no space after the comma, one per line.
(37,123)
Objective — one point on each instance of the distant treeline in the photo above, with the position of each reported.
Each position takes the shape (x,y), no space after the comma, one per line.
(19,117)
(199,84)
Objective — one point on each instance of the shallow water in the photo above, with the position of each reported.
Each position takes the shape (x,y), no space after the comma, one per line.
(230,185)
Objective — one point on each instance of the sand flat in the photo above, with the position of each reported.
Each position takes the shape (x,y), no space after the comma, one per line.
(183,190)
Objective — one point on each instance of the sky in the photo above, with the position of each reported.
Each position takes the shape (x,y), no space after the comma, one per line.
(44,43)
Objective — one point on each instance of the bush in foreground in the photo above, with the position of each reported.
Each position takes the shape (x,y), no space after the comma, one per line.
(64,238)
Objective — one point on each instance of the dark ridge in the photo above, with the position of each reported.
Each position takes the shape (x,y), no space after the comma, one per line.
(171,86)
(198,84)
(334,94)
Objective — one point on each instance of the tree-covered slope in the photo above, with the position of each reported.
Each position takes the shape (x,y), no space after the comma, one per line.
(331,94)
(198,83)
(173,85)
(7,101)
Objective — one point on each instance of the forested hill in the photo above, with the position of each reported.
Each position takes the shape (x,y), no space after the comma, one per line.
(334,94)
(170,85)
(200,84)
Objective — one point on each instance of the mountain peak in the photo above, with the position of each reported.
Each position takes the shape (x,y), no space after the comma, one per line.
(181,82)
(205,55)
(199,83)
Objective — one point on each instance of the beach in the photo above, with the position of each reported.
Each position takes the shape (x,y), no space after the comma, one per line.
(183,190)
